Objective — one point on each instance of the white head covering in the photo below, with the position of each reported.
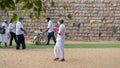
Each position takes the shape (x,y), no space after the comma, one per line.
(61,18)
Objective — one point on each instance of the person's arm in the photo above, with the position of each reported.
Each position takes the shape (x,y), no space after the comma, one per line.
(46,30)
(21,27)
(60,30)
(59,33)
(3,26)
(48,27)
(10,27)
(23,30)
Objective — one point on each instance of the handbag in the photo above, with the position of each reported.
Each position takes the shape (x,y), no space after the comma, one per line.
(2,30)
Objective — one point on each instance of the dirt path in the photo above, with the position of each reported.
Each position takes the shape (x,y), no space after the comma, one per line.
(75,58)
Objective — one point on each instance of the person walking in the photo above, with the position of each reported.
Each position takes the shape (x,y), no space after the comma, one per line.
(4,34)
(20,34)
(12,31)
(59,47)
(50,31)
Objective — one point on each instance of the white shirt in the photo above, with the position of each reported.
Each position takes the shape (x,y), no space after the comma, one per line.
(62,31)
(18,28)
(6,28)
(41,34)
(50,26)
(12,27)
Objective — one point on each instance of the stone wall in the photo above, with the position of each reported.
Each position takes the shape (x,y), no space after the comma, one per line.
(91,19)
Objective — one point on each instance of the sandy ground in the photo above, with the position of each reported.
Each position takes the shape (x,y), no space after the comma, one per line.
(75,58)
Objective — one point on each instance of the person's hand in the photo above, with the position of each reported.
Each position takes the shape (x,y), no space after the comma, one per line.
(56,31)
(25,32)
(44,32)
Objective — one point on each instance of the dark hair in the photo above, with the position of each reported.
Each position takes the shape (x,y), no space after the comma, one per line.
(21,18)
(48,18)
(40,29)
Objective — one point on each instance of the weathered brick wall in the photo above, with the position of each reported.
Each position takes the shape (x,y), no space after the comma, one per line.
(92,19)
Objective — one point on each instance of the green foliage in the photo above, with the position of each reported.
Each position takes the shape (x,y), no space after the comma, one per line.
(69,16)
(23,7)
(44,15)
(65,7)
(0,17)
(17,1)
(52,4)
(31,15)
(7,5)
(33,8)
(14,17)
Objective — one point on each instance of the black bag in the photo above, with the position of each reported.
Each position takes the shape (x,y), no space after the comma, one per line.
(2,30)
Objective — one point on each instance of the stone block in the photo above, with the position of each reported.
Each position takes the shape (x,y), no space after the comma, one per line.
(92,21)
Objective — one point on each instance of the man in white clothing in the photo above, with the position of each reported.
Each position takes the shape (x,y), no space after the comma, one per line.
(4,35)
(20,34)
(50,31)
(12,32)
(59,47)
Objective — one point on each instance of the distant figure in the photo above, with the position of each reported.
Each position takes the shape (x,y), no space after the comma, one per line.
(12,31)
(4,33)
(59,47)
(39,37)
(20,34)
(50,31)
(41,33)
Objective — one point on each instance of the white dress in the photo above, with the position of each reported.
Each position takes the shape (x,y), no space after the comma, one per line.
(4,37)
(59,47)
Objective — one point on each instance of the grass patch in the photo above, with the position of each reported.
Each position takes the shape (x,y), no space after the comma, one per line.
(71,46)
(92,46)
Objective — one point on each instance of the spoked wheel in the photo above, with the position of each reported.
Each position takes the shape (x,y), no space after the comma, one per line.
(41,40)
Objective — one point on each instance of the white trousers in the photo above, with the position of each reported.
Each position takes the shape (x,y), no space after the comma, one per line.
(4,38)
(59,48)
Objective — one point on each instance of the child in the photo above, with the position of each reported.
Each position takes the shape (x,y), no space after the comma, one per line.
(41,33)
(37,39)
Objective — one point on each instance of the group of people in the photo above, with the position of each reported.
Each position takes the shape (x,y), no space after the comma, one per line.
(16,31)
